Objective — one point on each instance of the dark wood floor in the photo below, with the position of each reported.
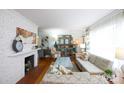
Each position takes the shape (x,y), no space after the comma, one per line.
(35,75)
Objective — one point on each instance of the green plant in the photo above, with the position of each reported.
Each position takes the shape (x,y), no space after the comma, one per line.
(108,72)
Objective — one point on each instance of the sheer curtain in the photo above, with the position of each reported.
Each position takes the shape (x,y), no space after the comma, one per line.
(119,39)
(107,36)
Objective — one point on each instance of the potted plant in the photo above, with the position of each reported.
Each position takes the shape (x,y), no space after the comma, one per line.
(108,74)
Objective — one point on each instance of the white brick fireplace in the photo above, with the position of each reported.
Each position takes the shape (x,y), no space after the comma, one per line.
(12,64)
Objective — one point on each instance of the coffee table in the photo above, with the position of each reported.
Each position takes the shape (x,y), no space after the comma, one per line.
(65,61)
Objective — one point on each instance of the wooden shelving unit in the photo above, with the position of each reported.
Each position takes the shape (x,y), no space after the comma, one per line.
(65,45)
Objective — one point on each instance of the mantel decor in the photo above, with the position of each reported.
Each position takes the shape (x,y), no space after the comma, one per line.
(26,34)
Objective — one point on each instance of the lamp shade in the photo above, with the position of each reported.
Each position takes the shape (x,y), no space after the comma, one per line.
(82,45)
(119,53)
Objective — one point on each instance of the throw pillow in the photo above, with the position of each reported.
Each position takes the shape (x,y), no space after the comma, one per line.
(54,70)
(64,70)
(86,58)
(83,57)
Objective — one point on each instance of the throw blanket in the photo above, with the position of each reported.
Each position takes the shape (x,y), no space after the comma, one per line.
(75,78)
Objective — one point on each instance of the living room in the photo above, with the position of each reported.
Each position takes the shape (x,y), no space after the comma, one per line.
(85,43)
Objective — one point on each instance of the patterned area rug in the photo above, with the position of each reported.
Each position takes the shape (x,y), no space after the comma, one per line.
(75,78)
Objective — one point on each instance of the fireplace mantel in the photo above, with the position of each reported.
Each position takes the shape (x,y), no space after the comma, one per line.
(23,52)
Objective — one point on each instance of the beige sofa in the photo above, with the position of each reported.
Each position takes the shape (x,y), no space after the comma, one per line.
(94,64)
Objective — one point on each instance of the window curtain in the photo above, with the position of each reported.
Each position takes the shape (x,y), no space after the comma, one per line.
(106,36)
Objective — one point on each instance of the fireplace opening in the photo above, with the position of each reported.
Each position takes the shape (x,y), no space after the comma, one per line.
(29,63)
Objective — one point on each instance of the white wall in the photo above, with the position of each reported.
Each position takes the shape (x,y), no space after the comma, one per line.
(54,32)
(11,68)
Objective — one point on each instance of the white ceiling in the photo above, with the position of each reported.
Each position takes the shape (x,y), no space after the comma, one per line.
(64,18)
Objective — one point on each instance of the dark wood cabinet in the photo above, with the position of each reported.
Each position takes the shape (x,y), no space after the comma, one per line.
(65,45)
(65,39)
(40,53)
(44,52)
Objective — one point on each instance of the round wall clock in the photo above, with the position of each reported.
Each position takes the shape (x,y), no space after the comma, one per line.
(17,46)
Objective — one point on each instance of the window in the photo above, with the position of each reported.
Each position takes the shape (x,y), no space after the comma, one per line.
(107,36)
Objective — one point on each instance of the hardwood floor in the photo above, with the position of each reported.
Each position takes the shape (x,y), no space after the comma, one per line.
(35,75)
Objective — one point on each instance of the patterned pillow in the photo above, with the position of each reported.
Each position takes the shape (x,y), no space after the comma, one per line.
(92,58)
(59,70)
(54,70)
(64,70)
(86,58)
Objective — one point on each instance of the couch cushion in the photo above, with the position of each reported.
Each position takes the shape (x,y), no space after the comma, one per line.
(91,68)
(103,63)
(92,58)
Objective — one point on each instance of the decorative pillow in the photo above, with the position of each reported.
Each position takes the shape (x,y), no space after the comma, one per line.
(59,70)
(64,70)
(78,55)
(54,70)
(92,58)
(86,58)
(82,57)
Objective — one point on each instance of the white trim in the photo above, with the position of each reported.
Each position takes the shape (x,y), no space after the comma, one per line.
(23,52)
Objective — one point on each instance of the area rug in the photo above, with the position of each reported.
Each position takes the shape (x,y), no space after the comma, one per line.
(75,78)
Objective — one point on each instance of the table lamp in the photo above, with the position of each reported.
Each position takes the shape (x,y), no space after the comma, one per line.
(119,54)
(82,46)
